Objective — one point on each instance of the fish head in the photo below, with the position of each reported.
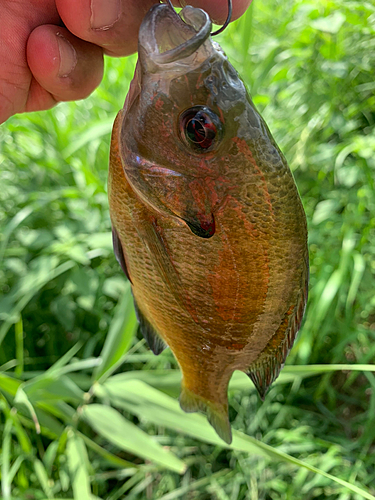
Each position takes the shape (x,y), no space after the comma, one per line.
(185,108)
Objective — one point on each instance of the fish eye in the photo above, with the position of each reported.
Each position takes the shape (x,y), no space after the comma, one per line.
(200,128)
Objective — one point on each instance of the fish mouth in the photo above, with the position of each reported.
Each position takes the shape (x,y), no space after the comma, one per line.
(165,36)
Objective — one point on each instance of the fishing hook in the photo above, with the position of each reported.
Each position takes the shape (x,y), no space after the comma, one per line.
(227,21)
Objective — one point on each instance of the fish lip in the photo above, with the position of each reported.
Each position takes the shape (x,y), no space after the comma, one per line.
(196,23)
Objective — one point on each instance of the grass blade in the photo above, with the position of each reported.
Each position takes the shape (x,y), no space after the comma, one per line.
(21,398)
(9,384)
(96,131)
(195,485)
(15,467)
(64,360)
(107,455)
(38,283)
(169,381)
(19,347)
(110,424)
(142,400)
(11,226)
(120,335)
(5,461)
(42,476)
(77,462)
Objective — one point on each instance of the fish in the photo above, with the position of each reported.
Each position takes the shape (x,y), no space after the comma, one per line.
(207,221)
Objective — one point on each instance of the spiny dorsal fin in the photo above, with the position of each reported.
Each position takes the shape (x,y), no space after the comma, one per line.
(155,343)
(119,253)
(153,340)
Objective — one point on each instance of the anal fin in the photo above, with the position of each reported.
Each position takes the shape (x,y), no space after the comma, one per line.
(155,343)
(264,374)
(267,368)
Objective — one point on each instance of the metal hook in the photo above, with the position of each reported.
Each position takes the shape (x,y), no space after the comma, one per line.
(220,30)
(227,21)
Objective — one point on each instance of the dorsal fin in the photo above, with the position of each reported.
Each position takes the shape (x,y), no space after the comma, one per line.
(119,253)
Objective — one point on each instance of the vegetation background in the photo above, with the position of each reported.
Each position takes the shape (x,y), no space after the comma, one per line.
(86,410)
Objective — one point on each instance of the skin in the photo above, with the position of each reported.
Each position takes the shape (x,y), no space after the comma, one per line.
(214,241)
(50,52)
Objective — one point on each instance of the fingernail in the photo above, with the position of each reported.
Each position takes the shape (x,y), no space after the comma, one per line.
(68,56)
(104,13)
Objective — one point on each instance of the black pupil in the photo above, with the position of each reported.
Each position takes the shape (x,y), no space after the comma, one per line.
(195,131)
(199,125)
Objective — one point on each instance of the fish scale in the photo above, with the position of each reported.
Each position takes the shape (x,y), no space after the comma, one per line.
(207,221)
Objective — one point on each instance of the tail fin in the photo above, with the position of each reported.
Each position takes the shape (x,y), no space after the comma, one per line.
(217,415)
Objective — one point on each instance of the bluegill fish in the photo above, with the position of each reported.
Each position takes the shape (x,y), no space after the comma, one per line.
(207,221)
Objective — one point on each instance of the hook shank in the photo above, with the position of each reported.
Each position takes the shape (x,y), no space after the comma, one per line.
(227,21)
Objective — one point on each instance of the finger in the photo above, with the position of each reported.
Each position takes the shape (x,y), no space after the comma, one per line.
(111,24)
(114,24)
(218,9)
(64,66)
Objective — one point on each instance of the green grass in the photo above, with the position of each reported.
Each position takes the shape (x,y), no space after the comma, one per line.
(86,410)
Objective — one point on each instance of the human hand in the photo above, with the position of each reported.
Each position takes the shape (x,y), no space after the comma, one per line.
(52,50)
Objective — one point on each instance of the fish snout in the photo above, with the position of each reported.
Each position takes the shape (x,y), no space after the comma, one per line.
(166,37)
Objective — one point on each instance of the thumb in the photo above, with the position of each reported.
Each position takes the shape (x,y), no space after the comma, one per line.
(65,66)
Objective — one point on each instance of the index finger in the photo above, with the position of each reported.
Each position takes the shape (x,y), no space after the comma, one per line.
(218,9)
(114,24)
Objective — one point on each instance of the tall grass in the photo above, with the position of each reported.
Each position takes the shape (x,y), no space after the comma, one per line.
(86,410)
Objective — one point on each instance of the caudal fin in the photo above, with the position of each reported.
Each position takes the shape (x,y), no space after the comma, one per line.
(217,415)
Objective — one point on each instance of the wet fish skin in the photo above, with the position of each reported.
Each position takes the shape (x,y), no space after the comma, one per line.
(213,241)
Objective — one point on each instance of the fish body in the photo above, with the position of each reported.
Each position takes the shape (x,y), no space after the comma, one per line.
(207,221)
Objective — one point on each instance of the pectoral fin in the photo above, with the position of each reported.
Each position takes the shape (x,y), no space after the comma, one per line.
(153,237)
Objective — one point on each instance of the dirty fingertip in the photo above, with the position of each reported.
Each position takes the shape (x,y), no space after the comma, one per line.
(218,9)
(65,66)
(68,56)
(104,14)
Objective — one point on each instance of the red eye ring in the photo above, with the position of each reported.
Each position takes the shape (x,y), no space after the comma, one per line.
(200,128)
